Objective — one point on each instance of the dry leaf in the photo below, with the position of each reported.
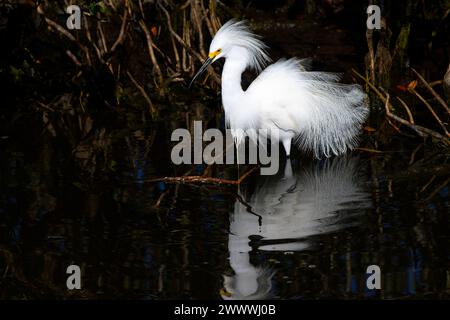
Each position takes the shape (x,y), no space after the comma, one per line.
(412,85)
(402,88)
(369,129)
(154,31)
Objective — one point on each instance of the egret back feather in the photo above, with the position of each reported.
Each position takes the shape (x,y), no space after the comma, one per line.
(325,116)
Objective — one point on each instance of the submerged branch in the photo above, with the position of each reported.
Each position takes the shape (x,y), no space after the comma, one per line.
(203,180)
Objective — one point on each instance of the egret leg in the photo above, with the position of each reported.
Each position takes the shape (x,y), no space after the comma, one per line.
(287,145)
(288,169)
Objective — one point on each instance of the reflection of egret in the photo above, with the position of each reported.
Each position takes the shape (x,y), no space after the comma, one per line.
(285,212)
(310,108)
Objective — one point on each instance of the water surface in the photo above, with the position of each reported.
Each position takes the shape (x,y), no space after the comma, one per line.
(308,232)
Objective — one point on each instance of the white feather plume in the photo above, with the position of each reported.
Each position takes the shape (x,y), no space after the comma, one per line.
(237,33)
(324,116)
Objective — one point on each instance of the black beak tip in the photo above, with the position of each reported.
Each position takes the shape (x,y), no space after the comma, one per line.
(202,69)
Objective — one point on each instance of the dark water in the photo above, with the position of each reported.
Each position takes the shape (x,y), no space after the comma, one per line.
(308,232)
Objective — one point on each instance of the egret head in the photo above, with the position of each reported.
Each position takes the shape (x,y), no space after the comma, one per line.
(232,35)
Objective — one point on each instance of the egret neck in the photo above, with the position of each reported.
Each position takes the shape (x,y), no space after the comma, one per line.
(236,61)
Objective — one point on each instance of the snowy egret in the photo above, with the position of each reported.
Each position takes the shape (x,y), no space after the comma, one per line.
(308,108)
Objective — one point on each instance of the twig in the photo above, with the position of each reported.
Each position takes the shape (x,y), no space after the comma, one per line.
(141,8)
(432,194)
(408,111)
(101,35)
(65,33)
(176,54)
(89,37)
(184,56)
(44,106)
(161,197)
(369,150)
(150,50)
(153,110)
(73,58)
(433,92)
(413,155)
(203,180)
(421,131)
(369,38)
(394,126)
(435,83)
(195,10)
(183,43)
(429,107)
(427,184)
(177,37)
(204,13)
(121,36)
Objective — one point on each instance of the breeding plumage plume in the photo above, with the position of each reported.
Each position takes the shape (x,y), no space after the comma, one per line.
(309,109)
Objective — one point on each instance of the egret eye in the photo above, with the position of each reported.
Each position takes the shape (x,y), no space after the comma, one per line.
(214,54)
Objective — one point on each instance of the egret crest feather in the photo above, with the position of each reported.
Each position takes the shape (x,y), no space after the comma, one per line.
(237,33)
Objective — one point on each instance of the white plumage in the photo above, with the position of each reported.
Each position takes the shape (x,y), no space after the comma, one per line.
(309,108)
